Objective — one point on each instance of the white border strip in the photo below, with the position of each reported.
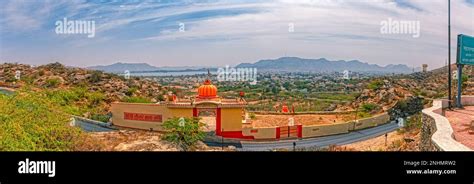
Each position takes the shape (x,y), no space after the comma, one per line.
(443,137)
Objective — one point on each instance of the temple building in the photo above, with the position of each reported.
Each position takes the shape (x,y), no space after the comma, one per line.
(229,113)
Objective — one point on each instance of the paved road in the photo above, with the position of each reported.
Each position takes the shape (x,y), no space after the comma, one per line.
(341,139)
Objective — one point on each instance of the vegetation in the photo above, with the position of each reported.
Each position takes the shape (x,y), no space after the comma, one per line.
(252,115)
(30,121)
(100,117)
(375,84)
(137,99)
(95,76)
(130,91)
(414,122)
(52,83)
(77,101)
(368,107)
(185,132)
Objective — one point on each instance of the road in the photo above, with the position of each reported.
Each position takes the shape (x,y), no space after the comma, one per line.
(325,141)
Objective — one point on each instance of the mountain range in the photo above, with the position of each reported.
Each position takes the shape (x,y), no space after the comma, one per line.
(322,65)
(283,64)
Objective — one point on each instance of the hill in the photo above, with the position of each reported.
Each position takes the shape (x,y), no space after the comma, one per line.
(322,65)
(121,67)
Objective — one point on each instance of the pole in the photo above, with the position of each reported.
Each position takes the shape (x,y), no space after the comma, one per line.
(449,54)
(458,99)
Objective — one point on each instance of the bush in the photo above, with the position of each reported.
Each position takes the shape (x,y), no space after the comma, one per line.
(95,76)
(76,101)
(52,83)
(363,115)
(130,91)
(369,107)
(375,84)
(184,135)
(100,117)
(137,100)
(252,115)
(31,122)
(95,98)
(414,122)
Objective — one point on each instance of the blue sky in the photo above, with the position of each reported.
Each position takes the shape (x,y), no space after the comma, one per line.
(219,33)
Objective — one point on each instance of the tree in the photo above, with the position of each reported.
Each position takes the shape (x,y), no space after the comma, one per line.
(184,132)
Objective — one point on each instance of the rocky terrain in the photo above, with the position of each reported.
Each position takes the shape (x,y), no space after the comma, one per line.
(384,91)
(58,76)
(137,140)
(387,90)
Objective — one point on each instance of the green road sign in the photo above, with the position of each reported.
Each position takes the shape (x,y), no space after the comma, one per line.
(465,50)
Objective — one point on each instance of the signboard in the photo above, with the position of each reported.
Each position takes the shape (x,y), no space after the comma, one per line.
(465,57)
(465,50)
(142,117)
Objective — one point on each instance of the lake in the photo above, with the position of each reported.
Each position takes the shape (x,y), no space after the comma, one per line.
(170,73)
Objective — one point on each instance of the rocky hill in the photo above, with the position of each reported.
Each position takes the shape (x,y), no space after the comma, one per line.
(386,91)
(56,77)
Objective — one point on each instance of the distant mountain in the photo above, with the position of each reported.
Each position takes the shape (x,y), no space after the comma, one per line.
(295,64)
(121,67)
(143,67)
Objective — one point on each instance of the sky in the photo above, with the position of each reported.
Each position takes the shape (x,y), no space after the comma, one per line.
(227,32)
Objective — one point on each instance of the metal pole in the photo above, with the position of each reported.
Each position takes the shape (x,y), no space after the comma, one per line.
(449,54)
(458,99)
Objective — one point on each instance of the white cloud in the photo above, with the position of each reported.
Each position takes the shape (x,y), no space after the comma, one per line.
(336,29)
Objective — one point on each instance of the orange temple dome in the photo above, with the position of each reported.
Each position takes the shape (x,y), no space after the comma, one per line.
(207,90)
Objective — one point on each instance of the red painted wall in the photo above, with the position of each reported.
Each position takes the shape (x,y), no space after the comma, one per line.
(218,121)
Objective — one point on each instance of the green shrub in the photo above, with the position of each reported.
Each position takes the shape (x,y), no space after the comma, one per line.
(252,115)
(95,98)
(28,80)
(363,115)
(137,99)
(100,117)
(76,101)
(375,84)
(185,135)
(130,91)
(369,107)
(414,122)
(52,83)
(29,121)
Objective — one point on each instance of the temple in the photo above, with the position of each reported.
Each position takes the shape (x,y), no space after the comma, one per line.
(229,113)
